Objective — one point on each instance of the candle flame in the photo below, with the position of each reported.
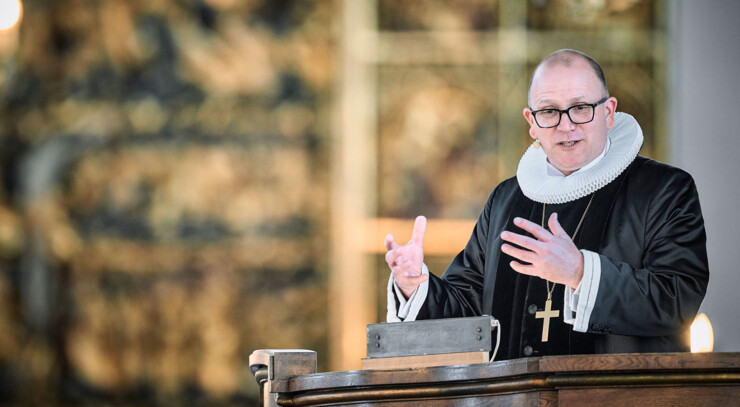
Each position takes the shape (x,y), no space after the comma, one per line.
(702,335)
(10,13)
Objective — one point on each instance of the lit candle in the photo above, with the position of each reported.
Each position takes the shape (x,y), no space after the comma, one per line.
(702,335)
(10,13)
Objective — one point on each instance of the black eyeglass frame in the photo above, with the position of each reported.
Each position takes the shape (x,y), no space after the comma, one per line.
(567,111)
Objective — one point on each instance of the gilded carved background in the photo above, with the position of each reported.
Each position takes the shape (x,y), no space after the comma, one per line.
(169,169)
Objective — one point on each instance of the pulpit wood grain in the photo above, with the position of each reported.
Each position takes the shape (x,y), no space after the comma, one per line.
(678,379)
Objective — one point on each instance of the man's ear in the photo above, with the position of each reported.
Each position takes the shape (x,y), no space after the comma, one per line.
(530,119)
(611,107)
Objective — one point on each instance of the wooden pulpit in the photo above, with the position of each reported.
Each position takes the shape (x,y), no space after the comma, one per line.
(646,379)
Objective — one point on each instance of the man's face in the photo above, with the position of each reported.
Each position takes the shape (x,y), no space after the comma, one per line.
(570,146)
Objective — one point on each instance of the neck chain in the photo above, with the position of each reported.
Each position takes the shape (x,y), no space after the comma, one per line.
(578,227)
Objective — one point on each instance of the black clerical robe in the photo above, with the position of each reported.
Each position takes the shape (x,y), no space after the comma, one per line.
(648,230)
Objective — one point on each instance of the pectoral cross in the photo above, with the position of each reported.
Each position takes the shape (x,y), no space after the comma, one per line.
(546,315)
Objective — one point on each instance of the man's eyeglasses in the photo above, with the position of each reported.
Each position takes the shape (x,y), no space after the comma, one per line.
(578,114)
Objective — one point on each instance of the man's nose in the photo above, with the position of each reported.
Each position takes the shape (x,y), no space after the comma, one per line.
(565,123)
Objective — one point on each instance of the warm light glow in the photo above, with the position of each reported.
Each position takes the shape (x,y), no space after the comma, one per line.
(702,335)
(10,13)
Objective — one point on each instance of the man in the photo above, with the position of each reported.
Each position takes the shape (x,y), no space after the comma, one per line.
(589,249)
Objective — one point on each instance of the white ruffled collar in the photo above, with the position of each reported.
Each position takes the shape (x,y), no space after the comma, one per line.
(626,141)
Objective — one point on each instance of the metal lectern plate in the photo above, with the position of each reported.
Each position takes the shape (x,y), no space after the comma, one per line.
(429,337)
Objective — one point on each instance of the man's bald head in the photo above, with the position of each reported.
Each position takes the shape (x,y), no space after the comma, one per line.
(566,57)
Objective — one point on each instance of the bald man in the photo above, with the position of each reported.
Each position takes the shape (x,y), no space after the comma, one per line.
(590,248)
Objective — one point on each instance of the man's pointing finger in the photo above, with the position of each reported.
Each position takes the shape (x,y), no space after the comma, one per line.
(390,243)
(420,227)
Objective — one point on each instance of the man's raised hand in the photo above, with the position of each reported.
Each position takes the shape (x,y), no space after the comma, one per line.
(405,261)
(551,255)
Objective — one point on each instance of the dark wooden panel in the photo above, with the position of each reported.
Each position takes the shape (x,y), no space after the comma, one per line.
(673,396)
(638,361)
(548,399)
(317,381)
(527,399)
(549,381)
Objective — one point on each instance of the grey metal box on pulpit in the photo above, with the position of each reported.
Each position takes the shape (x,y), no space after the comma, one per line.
(429,337)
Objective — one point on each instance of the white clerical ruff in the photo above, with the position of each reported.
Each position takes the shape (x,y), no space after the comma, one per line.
(626,139)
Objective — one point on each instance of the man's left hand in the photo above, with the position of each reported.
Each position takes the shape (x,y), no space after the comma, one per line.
(552,256)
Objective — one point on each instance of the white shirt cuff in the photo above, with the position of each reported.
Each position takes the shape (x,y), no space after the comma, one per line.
(571,302)
(408,309)
(579,303)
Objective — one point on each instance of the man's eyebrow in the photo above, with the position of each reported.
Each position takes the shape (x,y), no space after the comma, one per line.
(571,102)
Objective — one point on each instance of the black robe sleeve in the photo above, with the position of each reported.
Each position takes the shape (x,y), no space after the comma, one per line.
(659,291)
